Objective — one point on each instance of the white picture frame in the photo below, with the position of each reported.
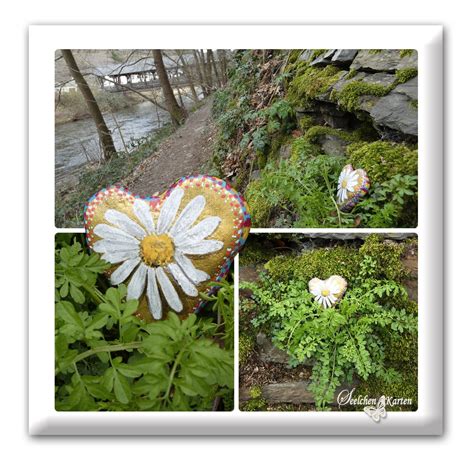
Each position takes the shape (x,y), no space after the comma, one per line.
(45,420)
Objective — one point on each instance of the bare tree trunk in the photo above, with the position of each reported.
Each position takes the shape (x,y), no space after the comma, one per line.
(214,67)
(221,55)
(177,113)
(105,136)
(200,72)
(209,68)
(189,76)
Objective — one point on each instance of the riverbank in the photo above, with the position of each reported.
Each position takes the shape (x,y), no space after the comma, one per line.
(93,177)
(71,107)
(166,155)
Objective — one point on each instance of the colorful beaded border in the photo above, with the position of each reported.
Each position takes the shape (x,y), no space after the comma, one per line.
(242,220)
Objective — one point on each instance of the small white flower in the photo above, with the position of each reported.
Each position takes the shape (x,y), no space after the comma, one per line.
(151,252)
(348,180)
(327,292)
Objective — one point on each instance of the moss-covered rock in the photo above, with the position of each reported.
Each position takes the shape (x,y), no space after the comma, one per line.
(339,260)
(309,83)
(387,257)
(404,75)
(349,97)
(382,160)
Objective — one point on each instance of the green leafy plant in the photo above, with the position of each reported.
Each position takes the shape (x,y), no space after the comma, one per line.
(352,340)
(109,359)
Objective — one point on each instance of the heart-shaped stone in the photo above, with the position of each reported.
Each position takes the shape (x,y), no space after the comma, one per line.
(168,247)
(328,292)
(352,186)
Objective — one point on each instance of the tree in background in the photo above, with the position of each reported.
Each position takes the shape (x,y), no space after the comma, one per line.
(105,137)
(177,113)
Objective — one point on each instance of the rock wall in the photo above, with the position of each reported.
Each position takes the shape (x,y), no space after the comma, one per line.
(379,87)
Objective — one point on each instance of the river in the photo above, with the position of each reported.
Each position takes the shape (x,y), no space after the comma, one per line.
(76,143)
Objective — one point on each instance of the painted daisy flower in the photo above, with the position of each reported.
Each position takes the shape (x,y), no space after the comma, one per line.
(348,179)
(327,292)
(152,253)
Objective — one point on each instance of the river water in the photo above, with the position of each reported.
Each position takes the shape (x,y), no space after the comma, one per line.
(77,142)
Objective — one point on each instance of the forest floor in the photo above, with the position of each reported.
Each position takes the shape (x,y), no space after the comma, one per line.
(183,153)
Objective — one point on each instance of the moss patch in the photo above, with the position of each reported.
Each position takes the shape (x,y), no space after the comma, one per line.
(309,83)
(387,257)
(246,345)
(349,97)
(404,75)
(382,160)
(406,52)
(339,260)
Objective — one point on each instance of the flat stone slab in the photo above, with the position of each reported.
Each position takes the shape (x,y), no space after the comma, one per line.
(410,88)
(384,60)
(396,112)
(291,393)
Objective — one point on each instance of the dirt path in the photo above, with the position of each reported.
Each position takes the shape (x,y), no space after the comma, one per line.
(183,153)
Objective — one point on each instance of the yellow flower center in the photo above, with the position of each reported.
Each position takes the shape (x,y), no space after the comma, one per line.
(157,250)
(344,183)
(325,292)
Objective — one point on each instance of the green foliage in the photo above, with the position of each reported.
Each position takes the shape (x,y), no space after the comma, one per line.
(310,82)
(244,125)
(70,204)
(223,303)
(360,336)
(392,203)
(260,208)
(108,359)
(303,187)
(385,256)
(404,75)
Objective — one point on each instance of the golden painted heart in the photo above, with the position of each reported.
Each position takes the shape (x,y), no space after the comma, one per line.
(167,248)
(352,186)
(328,292)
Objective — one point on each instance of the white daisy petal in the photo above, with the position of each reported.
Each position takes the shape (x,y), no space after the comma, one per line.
(168,210)
(195,275)
(332,298)
(168,290)
(201,247)
(199,232)
(122,272)
(137,283)
(113,246)
(111,233)
(154,301)
(188,215)
(119,256)
(125,223)
(141,209)
(188,288)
